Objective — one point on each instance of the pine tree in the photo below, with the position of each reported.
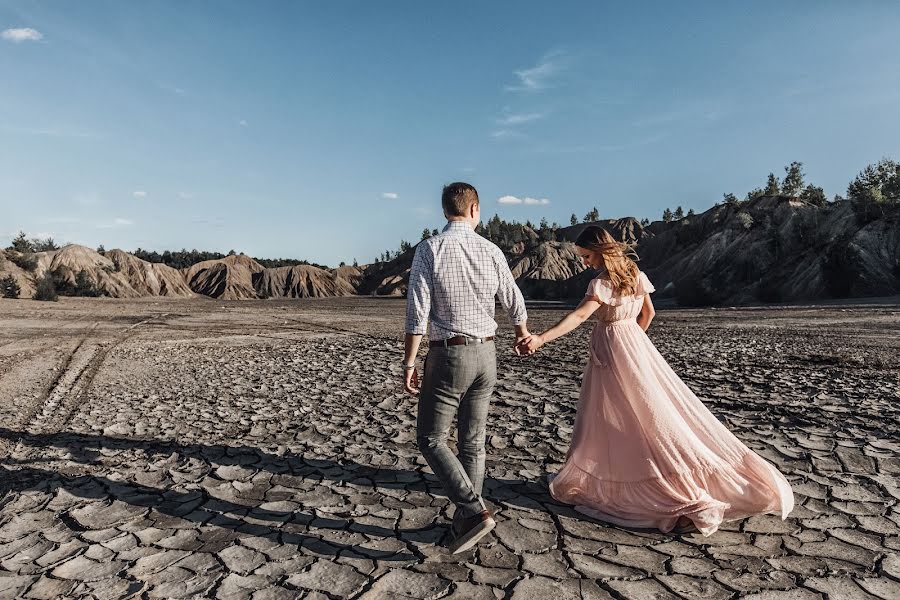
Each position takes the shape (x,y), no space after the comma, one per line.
(592,216)
(772,186)
(9,287)
(426,233)
(22,244)
(667,216)
(793,179)
(690,212)
(573,219)
(729,198)
(679,214)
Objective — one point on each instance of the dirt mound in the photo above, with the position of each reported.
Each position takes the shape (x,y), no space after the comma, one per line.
(100,273)
(774,249)
(301,281)
(229,278)
(549,271)
(387,278)
(627,229)
(149,279)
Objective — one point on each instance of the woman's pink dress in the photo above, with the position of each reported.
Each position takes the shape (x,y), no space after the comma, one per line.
(645,451)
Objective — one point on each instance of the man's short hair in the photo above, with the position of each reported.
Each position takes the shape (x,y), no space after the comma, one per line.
(457,198)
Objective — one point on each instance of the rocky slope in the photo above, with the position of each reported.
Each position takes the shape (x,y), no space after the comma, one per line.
(772,249)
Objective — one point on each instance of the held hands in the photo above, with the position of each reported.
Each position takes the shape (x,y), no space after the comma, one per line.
(529,344)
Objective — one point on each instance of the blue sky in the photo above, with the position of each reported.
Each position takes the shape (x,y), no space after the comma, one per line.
(325,130)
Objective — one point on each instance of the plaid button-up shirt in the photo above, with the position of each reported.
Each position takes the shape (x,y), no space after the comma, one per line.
(454,279)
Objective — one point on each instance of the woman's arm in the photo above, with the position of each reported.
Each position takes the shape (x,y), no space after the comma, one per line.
(647,313)
(571,321)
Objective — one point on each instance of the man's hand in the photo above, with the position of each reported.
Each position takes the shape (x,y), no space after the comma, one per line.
(521,334)
(529,345)
(411,380)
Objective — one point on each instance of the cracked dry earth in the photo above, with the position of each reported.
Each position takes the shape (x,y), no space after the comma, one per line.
(174,449)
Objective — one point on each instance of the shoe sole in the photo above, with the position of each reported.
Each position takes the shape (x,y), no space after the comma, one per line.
(463,543)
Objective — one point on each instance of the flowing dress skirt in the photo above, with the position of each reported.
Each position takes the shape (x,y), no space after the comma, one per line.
(646,451)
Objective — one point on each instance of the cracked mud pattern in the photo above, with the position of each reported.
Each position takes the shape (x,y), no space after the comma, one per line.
(261,450)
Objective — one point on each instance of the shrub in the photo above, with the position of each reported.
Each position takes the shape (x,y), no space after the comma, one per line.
(85,286)
(744,220)
(9,287)
(26,261)
(46,288)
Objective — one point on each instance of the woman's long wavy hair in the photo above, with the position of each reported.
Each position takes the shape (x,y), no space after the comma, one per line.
(618,258)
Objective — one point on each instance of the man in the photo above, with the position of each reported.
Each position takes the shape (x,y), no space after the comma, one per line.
(454,279)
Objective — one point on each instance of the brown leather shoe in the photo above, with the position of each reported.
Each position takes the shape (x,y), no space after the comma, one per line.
(467,532)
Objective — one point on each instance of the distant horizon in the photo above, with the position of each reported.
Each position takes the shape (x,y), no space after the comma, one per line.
(413,242)
(326,131)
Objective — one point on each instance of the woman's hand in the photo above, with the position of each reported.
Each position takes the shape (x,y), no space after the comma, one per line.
(529,345)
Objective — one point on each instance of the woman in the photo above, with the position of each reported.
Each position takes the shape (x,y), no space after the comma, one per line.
(645,451)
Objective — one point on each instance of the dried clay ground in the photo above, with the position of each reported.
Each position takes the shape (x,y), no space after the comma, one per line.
(171,449)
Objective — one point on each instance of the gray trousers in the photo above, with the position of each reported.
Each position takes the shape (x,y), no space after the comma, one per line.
(457,379)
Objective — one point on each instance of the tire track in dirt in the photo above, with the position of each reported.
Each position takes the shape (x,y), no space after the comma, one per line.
(75,377)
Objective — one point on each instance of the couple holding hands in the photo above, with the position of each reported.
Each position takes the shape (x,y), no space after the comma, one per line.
(645,451)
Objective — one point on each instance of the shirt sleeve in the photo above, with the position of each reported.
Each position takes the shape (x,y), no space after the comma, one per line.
(418,296)
(508,293)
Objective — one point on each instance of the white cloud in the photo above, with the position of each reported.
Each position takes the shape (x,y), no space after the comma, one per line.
(390,195)
(117,222)
(242,123)
(520,118)
(22,34)
(528,201)
(538,77)
(139,194)
(506,134)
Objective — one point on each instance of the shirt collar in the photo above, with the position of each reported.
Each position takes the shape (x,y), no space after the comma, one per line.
(459,226)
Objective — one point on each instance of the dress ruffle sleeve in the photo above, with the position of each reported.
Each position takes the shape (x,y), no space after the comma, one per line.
(600,289)
(643,285)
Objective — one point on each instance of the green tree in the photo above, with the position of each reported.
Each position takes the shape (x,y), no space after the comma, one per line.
(573,219)
(772,186)
(404,247)
(875,186)
(690,212)
(9,287)
(645,221)
(101,249)
(754,194)
(22,244)
(793,179)
(85,286)
(679,214)
(44,245)
(435,231)
(426,233)
(814,195)
(592,216)
(45,288)
(729,199)
(667,216)
(355,264)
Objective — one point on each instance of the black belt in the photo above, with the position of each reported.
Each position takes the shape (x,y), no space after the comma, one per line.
(460,340)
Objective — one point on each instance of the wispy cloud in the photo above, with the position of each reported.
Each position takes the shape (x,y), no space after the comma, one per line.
(539,76)
(173,89)
(527,200)
(519,118)
(21,34)
(115,223)
(139,194)
(390,195)
(502,134)
(242,123)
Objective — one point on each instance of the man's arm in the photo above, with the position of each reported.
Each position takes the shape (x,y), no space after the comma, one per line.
(418,307)
(510,297)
